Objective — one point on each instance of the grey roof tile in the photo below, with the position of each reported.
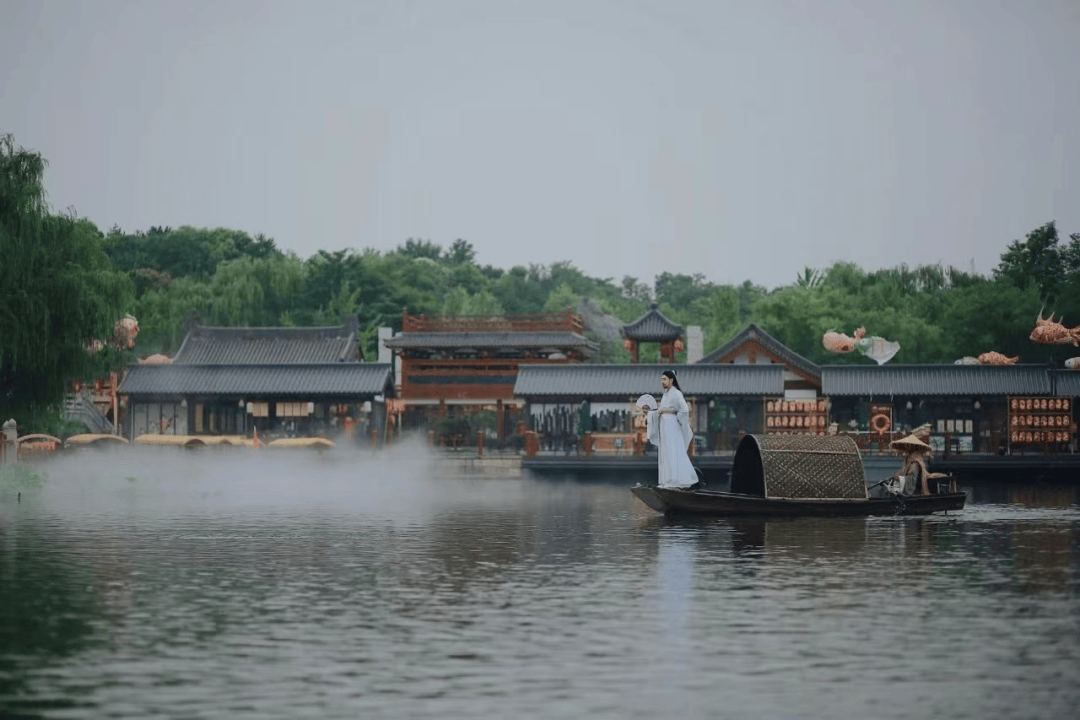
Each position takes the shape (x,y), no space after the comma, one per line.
(599,381)
(653,326)
(299,380)
(415,340)
(1067,383)
(265,346)
(754,332)
(924,380)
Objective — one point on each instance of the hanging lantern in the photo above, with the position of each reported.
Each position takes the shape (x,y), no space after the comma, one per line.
(678,345)
(628,345)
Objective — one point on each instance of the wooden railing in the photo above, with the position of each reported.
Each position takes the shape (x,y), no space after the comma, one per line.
(537,322)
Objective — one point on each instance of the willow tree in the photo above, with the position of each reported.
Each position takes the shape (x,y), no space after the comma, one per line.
(58,290)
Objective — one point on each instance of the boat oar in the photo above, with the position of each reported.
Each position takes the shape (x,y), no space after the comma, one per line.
(879,482)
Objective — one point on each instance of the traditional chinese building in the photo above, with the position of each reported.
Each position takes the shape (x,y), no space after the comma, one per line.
(653,327)
(726,401)
(971,408)
(280,381)
(799,409)
(468,364)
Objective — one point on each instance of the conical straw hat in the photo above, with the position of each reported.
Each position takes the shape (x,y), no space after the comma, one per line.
(909,443)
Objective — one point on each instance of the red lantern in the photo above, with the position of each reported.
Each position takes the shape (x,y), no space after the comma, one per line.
(628,345)
(678,345)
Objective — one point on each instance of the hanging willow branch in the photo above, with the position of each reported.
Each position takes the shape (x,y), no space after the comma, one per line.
(58,288)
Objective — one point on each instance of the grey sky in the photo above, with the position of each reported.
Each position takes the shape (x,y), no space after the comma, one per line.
(743,140)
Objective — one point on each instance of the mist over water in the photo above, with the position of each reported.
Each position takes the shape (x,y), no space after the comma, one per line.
(230,583)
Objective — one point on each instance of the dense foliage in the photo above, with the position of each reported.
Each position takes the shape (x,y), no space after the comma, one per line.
(937,314)
(63,282)
(58,290)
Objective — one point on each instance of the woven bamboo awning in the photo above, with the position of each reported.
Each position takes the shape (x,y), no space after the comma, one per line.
(95,439)
(798,466)
(316,443)
(186,441)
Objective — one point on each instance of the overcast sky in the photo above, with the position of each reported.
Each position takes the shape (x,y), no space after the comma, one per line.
(742,140)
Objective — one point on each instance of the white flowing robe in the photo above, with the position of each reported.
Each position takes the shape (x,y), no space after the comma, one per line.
(672,435)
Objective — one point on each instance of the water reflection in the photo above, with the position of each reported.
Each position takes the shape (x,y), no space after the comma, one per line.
(251,590)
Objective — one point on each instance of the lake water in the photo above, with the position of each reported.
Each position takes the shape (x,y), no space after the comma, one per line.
(235,584)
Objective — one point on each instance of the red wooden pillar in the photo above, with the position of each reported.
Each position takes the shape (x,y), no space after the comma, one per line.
(480,443)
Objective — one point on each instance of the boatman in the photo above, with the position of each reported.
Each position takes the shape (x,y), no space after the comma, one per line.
(913,477)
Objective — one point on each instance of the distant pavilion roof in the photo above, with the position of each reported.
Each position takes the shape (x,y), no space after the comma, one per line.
(204,345)
(653,326)
(754,333)
(300,380)
(942,380)
(588,381)
(488,340)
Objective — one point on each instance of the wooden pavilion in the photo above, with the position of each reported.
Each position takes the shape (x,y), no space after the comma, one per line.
(653,326)
(454,366)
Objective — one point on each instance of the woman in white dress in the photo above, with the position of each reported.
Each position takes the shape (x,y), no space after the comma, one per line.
(669,429)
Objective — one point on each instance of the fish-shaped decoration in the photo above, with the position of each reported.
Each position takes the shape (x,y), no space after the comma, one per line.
(878,349)
(125,331)
(1073,363)
(1052,332)
(996,358)
(839,343)
(967,360)
(157,359)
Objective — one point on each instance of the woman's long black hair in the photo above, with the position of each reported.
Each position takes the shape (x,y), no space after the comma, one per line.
(674,380)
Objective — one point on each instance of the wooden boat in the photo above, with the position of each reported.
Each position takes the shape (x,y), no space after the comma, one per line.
(793,475)
(672,501)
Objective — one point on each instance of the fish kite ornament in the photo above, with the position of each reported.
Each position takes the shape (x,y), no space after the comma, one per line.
(839,343)
(967,360)
(157,359)
(125,331)
(1073,363)
(1052,332)
(996,358)
(877,349)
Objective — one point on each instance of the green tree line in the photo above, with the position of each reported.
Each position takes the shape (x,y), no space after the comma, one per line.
(62,281)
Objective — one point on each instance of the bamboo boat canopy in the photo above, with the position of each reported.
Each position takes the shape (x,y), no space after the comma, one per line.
(38,437)
(230,440)
(315,442)
(95,439)
(798,466)
(186,441)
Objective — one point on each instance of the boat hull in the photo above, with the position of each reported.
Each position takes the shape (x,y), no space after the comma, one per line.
(672,501)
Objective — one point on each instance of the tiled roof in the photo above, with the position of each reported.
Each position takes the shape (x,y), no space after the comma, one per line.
(268,346)
(558,340)
(1067,383)
(753,332)
(653,326)
(337,379)
(599,381)
(889,380)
